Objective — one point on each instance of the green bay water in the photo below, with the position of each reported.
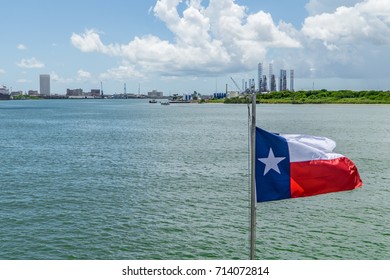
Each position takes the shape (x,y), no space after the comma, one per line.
(125,179)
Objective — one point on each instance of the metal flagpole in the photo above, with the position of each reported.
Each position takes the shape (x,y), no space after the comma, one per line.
(253,180)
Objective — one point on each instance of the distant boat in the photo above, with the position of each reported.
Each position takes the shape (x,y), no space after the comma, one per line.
(165,103)
(152,101)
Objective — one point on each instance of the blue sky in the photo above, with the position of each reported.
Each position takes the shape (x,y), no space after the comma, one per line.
(181,46)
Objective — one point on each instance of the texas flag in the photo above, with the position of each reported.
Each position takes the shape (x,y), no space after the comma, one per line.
(290,166)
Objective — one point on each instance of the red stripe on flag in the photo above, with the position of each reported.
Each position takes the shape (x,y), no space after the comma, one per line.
(323,176)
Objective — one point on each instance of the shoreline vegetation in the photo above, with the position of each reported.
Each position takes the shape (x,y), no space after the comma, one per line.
(322,96)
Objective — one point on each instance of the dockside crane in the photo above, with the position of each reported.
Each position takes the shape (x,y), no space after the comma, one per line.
(239,89)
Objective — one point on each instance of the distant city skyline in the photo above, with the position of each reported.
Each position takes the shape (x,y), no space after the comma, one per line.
(185,46)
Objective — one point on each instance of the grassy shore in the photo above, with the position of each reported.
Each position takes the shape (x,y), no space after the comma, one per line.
(318,97)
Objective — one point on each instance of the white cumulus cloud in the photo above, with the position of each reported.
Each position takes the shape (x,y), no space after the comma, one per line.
(83,75)
(338,39)
(121,73)
(368,21)
(219,38)
(345,41)
(315,7)
(30,63)
(57,78)
(21,47)
(90,41)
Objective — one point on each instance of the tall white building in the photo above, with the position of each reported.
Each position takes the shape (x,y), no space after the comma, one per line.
(260,75)
(283,80)
(44,84)
(292,80)
(271,72)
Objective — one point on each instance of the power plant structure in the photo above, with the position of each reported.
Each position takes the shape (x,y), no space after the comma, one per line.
(268,84)
(260,76)
(283,80)
(292,80)
(265,83)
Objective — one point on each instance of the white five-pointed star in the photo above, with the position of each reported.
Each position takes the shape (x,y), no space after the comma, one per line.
(271,162)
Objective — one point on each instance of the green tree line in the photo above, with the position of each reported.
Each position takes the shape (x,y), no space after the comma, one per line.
(318,97)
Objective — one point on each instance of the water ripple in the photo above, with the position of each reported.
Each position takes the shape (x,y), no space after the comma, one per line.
(126,180)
